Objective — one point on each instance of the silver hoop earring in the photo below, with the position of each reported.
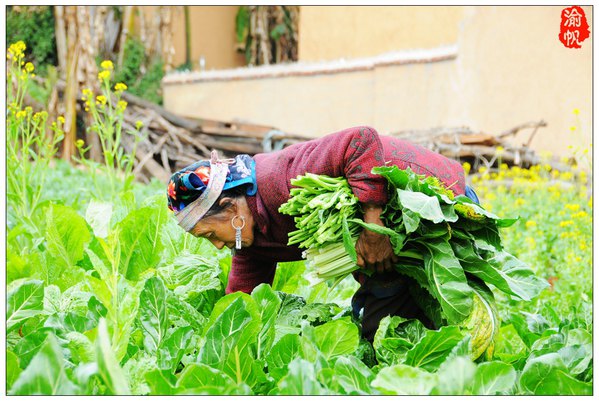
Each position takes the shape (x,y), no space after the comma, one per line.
(238,230)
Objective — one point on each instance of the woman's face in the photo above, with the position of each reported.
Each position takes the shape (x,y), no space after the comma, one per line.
(220,232)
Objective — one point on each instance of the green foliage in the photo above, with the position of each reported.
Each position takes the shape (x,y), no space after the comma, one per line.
(35,26)
(145,84)
(110,296)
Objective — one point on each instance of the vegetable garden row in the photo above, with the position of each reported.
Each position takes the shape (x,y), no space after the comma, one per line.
(107,295)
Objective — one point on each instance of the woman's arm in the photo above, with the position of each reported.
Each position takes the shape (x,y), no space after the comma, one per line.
(352,153)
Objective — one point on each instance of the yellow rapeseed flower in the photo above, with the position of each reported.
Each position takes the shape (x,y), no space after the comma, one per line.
(580,215)
(499,150)
(566,176)
(531,224)
(104,75)
(530,241)
(520,202)
(573,128)
(576,111)
(566,223)
(61,119)
(29,67)
(107,65)
(21,114)
(120,87)
(17,49)
(122,105)
(582,246)
(139,124)
(101,99)
(79,143)
(466,167)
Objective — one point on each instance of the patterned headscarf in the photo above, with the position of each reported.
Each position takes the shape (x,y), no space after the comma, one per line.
(186,185)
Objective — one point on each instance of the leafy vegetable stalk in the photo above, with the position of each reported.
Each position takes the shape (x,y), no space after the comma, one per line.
(445,242)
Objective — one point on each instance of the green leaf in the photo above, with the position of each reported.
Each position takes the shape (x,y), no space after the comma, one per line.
(140,242)
(338,337)
(411,220)
(82,349)
(301,380)
(390,347)
(98,216)
(447,280)
(13,369)
(548,375)
(433,348)
(518,276)
(231,336)
(455,376)
(108,368)
(29,345)
(152,313)
(173,348)
(404,380)
(199,375)
(126,305)
(24,302)
(509,347)
(424,206)
(46,373)
(268,303)
(282,353)
(161,382)
(66,236)
(493,378)
(353,376)
(348,242)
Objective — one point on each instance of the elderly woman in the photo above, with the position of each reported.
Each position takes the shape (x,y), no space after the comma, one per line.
(234,203)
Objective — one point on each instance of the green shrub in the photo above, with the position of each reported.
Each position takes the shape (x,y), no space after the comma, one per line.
(35,26)
(146,85)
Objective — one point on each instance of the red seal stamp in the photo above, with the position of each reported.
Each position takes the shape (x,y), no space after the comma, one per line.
(574,28)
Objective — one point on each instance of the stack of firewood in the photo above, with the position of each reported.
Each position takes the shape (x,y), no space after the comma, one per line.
(171,142)
(478,148)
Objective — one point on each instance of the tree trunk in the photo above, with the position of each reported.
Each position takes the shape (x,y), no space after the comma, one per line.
(127,21)
(72,87)
(87,71)
(61,40)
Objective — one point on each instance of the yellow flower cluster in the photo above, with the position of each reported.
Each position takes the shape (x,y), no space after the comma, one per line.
(104,75)
(121,105)
(120,87)
(16,50)
(101,99)
(107,65)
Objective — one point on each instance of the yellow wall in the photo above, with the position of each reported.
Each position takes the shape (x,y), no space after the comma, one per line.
(333,32)
(212,35)
(510,69)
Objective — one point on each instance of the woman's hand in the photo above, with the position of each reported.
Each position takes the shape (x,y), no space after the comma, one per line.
(374,251)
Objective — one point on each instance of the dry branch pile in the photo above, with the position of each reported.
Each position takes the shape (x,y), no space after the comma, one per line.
(478,148)
(173,142)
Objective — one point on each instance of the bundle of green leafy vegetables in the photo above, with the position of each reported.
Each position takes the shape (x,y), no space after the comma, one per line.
(449,244)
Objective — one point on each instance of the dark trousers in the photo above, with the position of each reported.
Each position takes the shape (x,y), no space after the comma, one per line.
(386,294)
